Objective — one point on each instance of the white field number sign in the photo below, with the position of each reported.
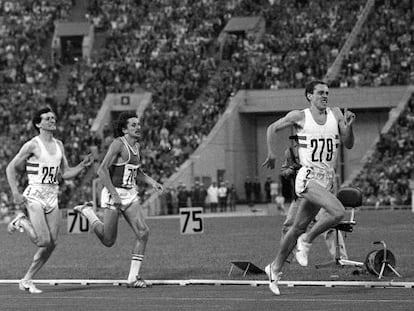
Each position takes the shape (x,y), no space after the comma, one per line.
(191,220)
(77,223)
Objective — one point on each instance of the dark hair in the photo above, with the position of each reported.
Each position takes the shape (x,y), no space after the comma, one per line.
(122,122)
(37,118)
(310,87)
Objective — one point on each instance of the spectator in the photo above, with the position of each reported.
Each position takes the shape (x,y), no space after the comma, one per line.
(257,190)
(182,196)
(197,195)
(212,196)
(232,198)
(222,197)
(248,189)
(267,184)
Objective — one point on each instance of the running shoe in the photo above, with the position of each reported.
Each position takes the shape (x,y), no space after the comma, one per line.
(138,283)
(81,207)
(274,278)
(27,285)
(14,224)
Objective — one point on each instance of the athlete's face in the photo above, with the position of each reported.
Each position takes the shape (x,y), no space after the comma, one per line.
(319,98)
(48,121)
(133,128)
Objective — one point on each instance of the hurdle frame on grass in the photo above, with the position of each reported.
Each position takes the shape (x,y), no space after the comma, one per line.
(370,284)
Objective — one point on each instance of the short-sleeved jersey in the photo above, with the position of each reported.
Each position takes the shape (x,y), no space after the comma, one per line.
(44,170)
(318,144)
(124,174)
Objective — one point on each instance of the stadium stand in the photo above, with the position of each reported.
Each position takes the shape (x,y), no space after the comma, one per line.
(383,53)
(173,51)
(385,177)
(27,77)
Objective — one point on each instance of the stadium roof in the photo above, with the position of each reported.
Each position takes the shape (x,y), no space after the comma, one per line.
(72,29)
(256,101)
(239,24)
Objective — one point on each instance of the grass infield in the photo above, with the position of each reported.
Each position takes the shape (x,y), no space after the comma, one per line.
(171,255)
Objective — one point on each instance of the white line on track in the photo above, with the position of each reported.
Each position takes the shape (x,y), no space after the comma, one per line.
(370,284)
(201,299)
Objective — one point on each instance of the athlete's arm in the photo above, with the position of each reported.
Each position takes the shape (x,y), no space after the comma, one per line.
(113,152)
(20,158)
(71,172)
(149,180)
(345,126)
(294,117)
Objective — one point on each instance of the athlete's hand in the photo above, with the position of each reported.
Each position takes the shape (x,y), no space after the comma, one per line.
(349,117)
(19,199)
(116,200)
(87,161)
(158,187)
(269,162)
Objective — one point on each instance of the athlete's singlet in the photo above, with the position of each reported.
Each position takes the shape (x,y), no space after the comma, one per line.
(317,150)
(42,173)
(124,174)
(124,178)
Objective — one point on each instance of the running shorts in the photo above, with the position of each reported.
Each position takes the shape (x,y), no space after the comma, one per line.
(128,197)
(45,195)
(305,174)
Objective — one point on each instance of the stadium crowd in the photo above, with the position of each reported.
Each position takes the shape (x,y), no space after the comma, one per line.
(173,51)
(386,177)
(27,77)
(383,53)
(215,197)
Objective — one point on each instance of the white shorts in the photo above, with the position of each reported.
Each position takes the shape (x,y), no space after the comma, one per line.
(305,174)
(128,196)
(45,195)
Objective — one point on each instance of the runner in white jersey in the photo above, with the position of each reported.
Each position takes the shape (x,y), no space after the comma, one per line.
(317,151)
(119,172)
(45,163)
(320,130)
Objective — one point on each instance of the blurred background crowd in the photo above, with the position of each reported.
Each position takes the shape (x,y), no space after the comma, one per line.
(171,49)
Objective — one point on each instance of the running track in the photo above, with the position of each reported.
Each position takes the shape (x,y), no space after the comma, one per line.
(205,297)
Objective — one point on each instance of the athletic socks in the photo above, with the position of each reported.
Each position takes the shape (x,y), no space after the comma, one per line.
(136,262)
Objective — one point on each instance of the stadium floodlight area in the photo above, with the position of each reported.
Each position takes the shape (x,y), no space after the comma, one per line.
(369,284)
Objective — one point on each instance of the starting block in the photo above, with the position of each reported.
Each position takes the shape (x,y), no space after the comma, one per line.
(246,267)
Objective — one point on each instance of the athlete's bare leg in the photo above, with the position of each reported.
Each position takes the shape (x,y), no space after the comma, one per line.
(304,216)
(107,230)
(27,226)
(290,216)
(330,239)
(335,211)
(46,227)
(318,196)
(136,219)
